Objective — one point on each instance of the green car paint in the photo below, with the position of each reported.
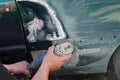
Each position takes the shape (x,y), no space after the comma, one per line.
(93,25)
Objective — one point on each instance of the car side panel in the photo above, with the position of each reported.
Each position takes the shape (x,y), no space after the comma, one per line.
(94,26)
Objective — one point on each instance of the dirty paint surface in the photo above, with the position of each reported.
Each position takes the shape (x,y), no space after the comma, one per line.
(94,26)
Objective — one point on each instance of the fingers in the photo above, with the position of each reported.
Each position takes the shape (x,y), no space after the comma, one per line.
(51,49)
(53,61)
(26,72)
(66,57)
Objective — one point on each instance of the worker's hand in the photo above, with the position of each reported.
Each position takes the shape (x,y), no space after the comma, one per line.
(18,68)
(52,61)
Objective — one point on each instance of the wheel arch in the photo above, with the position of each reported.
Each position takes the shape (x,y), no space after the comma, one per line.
(111,57)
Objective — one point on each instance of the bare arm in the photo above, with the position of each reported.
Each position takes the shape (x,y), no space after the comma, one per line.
(50,63)
(42,73)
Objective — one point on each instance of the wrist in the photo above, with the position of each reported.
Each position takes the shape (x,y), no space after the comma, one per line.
(42,73)
(45,67)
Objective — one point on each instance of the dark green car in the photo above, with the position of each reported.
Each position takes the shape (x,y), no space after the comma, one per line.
(28,26)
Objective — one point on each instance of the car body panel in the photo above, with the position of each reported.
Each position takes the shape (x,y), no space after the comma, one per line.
(94,33)
(10,25)
(12,42)
(93,27)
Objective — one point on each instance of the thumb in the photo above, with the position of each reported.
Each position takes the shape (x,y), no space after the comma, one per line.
(50,50)
(27,73)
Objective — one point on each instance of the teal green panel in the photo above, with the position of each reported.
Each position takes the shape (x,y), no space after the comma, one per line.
(1,1)
(92,24)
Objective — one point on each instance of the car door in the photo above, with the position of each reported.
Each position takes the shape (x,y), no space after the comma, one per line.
(12,42)
(92,25)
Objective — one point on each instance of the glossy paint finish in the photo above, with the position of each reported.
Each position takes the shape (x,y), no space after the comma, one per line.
(12,42)
(10,26)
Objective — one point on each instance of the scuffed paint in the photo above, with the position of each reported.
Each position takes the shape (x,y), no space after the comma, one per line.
(112,17)
(104,9)
(94,27)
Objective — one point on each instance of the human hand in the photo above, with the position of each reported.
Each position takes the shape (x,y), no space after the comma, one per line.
(18,68)
(52,61)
